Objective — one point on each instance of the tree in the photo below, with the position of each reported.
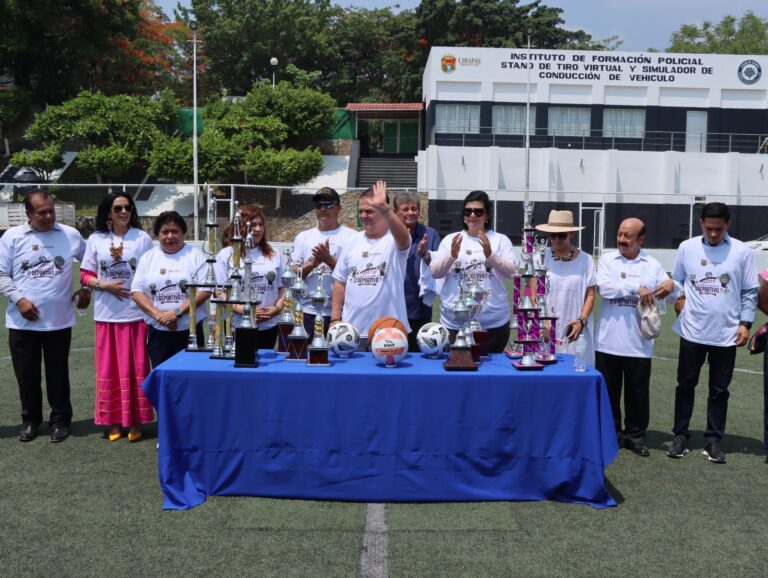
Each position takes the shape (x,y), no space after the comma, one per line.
(218,158)
(748,35)
(289,167)
(42,161)
(111,160)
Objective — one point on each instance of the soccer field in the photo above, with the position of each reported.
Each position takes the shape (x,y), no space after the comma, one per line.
(90,507)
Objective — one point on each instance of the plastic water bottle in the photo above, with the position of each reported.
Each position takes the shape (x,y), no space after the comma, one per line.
(580,352)
(661,307)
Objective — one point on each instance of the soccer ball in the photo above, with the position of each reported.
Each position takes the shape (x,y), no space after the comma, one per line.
(389,345)
(432,339)
(343,339)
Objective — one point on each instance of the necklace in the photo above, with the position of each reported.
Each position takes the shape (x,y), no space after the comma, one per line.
(568,257)
(115,252)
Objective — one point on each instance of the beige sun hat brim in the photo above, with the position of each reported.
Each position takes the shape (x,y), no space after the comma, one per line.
(559,222)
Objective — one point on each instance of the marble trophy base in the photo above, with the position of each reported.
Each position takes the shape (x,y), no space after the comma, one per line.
(481,337)
(297,348)
(247,353)
(460,359)
(283,331)
(318,357)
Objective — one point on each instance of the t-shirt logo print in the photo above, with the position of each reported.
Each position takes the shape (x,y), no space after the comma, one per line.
(44,267)
(710,284)
(371,275)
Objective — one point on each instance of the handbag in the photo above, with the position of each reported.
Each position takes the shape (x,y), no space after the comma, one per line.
(758,341)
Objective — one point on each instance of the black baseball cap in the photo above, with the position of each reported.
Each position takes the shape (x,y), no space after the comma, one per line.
(326,194)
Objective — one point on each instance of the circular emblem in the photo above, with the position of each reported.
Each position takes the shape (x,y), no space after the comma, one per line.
(749,72)
(448,63)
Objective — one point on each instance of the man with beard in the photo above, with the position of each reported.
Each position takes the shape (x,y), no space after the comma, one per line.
(622,353)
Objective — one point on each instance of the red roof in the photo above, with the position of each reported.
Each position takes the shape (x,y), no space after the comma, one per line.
(372,106)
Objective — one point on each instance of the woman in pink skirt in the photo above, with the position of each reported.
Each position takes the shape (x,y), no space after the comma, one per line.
(111,255)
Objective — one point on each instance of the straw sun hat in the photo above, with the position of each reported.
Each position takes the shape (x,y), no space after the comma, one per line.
(559,222)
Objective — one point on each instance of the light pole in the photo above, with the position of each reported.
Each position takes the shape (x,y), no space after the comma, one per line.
(193,26)
(528,31)
(273,61)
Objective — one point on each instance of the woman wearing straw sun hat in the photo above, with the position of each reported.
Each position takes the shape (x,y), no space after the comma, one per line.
(571,278)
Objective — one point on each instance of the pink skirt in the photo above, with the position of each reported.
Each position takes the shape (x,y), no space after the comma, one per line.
(121,366)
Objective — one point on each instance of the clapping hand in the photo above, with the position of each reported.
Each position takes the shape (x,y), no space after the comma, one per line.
(455,246)
(485,243)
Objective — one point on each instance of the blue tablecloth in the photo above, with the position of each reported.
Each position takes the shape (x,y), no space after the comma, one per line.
(361,432)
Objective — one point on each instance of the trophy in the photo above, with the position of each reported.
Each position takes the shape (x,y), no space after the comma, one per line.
(246,334)
(479,335)
(546,353)
(460,353)
(298,338)
(318,348)
(285,320)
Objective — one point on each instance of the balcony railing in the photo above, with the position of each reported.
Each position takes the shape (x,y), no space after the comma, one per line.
(712,142)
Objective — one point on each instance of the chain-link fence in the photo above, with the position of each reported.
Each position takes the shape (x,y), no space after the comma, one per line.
(670,219)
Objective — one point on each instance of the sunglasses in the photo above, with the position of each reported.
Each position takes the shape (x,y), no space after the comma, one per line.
(475,212)
(120,208)
(558,235)
(324,205)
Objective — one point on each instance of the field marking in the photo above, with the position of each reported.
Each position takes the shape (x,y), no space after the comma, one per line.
(374,560)
(739,369)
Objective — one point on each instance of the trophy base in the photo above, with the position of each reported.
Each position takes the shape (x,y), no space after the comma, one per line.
(533,367)
(460,359)
(481,337)
(222,356)
(297,349)
(199,349)
(318,357)
(247,353)
(283,331)
(546,360)
(475,349)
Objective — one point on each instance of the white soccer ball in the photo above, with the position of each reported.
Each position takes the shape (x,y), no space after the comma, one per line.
(389,346)
(432,339)
(343,339)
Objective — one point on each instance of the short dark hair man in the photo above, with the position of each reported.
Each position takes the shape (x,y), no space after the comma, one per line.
(625,278)
(36,276)
(423,240)
(720,284)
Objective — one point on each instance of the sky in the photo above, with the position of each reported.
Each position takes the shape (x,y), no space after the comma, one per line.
(641,24)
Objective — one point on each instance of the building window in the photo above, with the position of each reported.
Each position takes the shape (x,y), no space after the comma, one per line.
(511,120)
(624,123)
(565,121)
(457,118)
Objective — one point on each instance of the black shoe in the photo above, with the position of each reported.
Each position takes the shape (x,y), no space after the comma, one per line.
(714,453)
(28,432)
(59,433)
(679,447)
(638,448)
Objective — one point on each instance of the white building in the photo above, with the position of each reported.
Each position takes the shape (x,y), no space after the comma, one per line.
(612,135)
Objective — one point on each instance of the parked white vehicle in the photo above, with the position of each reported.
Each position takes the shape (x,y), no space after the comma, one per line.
(759,244)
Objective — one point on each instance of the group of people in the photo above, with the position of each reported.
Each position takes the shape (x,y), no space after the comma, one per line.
(394,267)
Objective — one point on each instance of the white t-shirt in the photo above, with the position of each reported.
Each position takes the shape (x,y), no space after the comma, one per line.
(302,249)
(106,307)
(374,273)
(158,275)
(496,310)
(265,279)
(568,282)
(713,279)
(618,282)
(40,266)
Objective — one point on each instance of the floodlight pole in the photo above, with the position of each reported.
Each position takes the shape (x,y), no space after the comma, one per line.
(273,61)
(529,31)
(193,26)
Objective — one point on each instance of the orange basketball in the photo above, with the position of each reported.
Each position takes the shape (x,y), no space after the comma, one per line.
(383,322)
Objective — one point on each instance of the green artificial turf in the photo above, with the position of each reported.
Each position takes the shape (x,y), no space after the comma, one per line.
(88,507)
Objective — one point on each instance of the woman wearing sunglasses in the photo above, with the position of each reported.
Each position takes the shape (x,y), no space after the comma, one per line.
(476,254)
(111,255)
(571,279)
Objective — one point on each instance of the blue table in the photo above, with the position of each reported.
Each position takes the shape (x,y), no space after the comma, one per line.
(361,432)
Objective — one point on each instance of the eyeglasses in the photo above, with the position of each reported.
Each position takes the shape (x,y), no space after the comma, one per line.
(558,235)
(120,208)
(475,212)
(324,204)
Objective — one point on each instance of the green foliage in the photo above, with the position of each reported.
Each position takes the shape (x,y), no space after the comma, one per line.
(251,131)
(171,159)
(289,167)
(218,157)
(13,102)
(43,161)
(748,35)
(111,160)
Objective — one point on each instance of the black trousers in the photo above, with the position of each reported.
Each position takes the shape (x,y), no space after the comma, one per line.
(498,338)
(416,324)
(721,363)
(309,325)
(28,350)
(633,375)
(162,345)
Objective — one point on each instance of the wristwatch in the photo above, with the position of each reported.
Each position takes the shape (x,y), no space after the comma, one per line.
(177,312)
(583,320)
(747,324)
